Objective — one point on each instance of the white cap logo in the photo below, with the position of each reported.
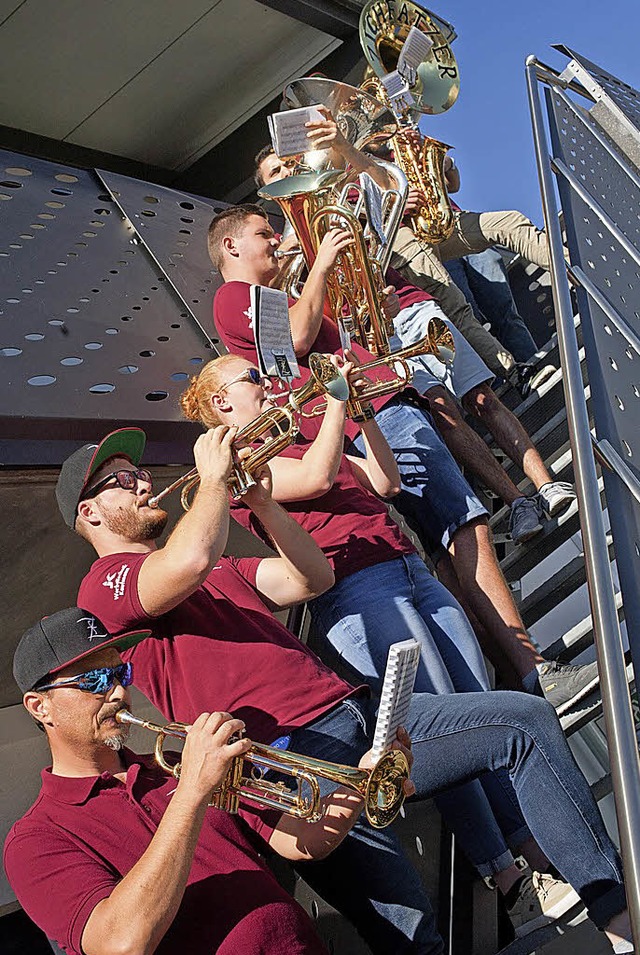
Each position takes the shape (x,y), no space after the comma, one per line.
(92,628)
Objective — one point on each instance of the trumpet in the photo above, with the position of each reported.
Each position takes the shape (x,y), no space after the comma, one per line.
(438,341)
(277,427)
(381,788)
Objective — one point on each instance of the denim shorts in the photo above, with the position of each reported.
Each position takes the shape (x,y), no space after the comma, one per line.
(468,369)
(435,499)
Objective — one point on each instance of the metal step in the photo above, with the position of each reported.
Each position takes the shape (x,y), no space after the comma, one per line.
(574,641)
(554,591)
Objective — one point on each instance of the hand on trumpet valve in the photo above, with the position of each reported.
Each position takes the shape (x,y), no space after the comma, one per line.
(390,302)
(213,454)
(402,742)
(208,752)
(260,493)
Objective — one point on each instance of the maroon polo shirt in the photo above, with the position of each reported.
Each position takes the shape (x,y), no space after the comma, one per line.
(83,835)
(220,649)
(233,322)
(350,524)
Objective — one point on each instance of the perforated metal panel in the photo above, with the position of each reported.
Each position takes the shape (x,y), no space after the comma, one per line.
(626,98)
(617,105)
(91,325)
(610,312)
(173,228)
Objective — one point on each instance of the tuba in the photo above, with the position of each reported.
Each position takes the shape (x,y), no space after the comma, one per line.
(313,205)
(381,788)
(437,341)
(384,27)
(276,427)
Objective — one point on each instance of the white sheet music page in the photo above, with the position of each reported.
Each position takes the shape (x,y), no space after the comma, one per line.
(398,92)
(414,50)
(288,130)
(399,679)
(373,205)
(274,345)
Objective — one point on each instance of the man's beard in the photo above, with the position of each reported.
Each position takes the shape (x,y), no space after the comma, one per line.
(136,525)
(115,742)
(120,736)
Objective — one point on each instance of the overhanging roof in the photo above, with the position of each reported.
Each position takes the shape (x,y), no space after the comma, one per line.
(156,81)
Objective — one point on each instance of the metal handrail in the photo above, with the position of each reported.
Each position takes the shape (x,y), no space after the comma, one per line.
(616,701)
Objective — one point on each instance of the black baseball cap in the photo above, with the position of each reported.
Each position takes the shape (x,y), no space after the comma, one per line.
(78,469)
(63,638)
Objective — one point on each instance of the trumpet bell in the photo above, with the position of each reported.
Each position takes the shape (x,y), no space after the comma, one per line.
(362,120)
(384,27)
(325,372)
(385,791)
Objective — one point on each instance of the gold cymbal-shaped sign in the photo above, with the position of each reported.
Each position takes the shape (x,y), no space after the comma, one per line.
(384,27)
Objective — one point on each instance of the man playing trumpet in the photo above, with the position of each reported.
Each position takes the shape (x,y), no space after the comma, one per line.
(215,639)
(115,855)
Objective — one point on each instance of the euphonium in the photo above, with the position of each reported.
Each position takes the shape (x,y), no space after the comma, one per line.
(276,427)
(438,341)
(313,206)
(382,787)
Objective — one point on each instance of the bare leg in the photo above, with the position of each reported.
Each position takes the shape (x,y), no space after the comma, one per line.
(467,447)
(535,857)
(508,432)
(508,676)
(476,566)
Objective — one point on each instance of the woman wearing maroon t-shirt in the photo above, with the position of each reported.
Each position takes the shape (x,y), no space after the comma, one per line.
(383,591)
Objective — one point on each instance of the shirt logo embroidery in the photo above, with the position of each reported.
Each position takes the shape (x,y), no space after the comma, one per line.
(249,315)
(92,628)
(116,581)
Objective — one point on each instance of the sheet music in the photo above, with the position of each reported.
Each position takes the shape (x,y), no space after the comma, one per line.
(272,331)
(288,130)
(373,205)
(398,92)
(399,679)
(413,52)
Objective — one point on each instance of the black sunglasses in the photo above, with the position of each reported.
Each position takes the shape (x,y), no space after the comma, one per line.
(96,681)
(127,480)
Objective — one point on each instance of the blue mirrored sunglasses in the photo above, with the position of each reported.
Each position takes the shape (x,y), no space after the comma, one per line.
(96,681)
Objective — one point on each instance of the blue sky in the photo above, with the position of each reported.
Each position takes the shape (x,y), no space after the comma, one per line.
(489,124)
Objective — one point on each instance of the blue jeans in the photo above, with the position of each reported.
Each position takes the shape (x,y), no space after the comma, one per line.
(435,499)
(482,278)
(455,738)
(410,602)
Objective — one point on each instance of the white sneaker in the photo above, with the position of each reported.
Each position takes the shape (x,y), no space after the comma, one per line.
(556,496)
(541,900)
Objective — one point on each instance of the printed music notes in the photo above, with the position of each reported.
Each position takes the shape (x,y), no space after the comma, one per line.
(270,312)
(399,678)
(288,131)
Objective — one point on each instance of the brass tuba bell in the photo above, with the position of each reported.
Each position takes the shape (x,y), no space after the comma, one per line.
(384,27)
(362,119)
